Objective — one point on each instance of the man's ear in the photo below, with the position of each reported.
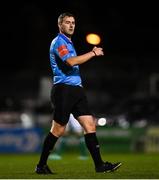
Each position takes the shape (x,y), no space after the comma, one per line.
(59,25)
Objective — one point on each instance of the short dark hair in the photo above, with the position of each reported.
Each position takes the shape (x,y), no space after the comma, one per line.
(63,15)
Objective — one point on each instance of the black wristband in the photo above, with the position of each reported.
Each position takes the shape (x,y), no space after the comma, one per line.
(94,53)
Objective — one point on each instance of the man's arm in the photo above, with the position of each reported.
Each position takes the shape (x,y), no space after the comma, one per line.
(77,60)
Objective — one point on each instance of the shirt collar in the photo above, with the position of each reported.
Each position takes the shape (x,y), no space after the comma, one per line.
(64,37)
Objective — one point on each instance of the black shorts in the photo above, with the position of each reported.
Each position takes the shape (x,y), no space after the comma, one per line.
(67,99)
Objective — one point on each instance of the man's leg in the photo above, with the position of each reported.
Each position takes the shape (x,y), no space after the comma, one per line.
(89,125)
(59,149)
(56,131)
(91,141)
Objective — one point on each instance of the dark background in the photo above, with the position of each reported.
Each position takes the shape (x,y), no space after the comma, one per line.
(130,40)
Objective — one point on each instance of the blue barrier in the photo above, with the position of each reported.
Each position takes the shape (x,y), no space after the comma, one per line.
(20,140)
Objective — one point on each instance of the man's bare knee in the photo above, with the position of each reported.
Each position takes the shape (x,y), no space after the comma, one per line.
(88,123)
(57,129)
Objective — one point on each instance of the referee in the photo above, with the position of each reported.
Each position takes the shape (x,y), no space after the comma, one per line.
(68,96)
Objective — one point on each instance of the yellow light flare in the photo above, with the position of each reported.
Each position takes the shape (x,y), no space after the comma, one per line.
(93,39)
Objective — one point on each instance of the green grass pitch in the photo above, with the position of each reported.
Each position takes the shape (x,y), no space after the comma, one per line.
(135,166)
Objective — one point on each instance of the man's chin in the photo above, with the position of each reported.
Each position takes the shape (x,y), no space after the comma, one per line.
(69,34)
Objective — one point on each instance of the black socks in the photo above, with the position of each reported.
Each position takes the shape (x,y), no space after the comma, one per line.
(91,143)
(93,147)
(48,145)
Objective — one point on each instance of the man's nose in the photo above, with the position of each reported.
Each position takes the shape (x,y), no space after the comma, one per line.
(71,24)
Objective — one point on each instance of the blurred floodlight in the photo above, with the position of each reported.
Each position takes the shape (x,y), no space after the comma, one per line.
(102,121)
(93,39)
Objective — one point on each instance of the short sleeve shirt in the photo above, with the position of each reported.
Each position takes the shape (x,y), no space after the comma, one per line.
(61,49)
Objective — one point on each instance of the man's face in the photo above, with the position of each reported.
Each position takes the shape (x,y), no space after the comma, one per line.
(67,26)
